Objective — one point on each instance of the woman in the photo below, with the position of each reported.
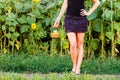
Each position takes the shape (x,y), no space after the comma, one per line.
(75,26)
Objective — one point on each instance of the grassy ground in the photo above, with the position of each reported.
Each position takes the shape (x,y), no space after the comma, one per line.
(44,63)
(30,67)
(55,76)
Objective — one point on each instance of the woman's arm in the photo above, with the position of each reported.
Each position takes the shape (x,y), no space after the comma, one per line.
(94,7)
(62,11)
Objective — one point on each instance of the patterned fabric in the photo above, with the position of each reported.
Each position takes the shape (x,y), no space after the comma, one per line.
(76,24)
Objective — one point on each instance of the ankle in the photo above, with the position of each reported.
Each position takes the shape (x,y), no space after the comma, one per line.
(77,70)
(73,69)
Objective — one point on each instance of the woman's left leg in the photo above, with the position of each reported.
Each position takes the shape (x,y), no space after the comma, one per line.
(80,43)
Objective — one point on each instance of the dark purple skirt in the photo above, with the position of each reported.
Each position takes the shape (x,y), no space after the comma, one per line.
(76,24)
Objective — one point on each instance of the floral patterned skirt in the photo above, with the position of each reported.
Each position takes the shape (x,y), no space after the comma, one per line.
(76,24)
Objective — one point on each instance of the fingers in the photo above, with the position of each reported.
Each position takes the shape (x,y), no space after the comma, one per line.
(83,12)
(56,24)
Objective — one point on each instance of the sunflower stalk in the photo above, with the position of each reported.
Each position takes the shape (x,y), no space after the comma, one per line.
(103,41)
(102,38)
(112,30)
(90,36)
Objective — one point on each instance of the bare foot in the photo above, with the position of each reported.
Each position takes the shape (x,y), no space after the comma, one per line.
(73,70)
(77,72)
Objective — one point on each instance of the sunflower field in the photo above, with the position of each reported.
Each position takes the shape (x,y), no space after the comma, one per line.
(26,25)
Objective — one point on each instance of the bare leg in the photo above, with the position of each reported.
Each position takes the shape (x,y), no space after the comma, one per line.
(73,49)
(80,42)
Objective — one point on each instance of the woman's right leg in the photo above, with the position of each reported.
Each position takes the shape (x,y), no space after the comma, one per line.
(73,49)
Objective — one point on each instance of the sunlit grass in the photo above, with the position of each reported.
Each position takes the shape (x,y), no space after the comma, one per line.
(55,76)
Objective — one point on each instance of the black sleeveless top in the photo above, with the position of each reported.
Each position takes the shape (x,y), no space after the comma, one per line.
(74,7)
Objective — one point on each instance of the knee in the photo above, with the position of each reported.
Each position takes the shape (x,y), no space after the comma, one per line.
(73,45)
(80,45)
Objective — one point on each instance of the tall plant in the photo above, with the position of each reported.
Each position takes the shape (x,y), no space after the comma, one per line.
(25,25)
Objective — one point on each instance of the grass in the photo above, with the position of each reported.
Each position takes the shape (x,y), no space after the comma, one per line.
(57,67)
(55,76)
(45,63)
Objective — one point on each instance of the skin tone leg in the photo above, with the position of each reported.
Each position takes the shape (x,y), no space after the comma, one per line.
(73,49)
(76,50)
(80,43)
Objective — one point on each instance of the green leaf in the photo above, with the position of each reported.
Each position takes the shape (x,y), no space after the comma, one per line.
(22,20)
(47,21)
(11,43)
(117,26)
(14,23)
(31,20)
(117,15)
(3,27)
(97,26)
(5,50)
(24,28)
(2,18)
(18,6)
(31,48)
(93,44)
(65,44)
(27,6)
(36,12)
(8,35)
(108,14)
(118,40)
(117,5)
(11,29)
(16,35)
(103,1)
(11,16)
(62,34)
(26,42)
(110,34)
(92,16)
(50,5)
(39,25)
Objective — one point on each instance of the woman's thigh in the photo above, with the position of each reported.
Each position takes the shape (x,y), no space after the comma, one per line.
(72,38)
(80,39)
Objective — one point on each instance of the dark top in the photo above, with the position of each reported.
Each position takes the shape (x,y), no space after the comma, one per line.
(74,7)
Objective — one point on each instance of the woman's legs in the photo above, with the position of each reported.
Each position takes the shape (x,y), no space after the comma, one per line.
(73,49)
(76,49)
(80,42)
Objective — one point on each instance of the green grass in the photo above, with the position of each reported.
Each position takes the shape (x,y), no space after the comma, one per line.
(97,66)
(55,76)
(44,63)
(55,67)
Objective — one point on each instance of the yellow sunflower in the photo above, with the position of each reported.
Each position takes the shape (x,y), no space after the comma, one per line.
(33,26)
(9,9)
(36,1)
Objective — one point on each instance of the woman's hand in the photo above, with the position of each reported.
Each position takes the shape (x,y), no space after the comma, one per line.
(94,7)
(56,24)
(84,13)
